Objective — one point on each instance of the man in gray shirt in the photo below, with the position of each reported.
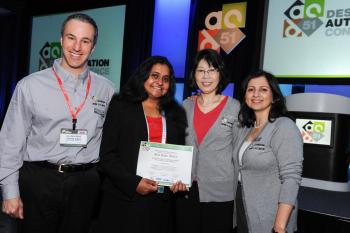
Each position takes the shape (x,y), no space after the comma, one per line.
(50,138)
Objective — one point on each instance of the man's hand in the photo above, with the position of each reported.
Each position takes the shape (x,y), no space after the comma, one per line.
(13,207)
(146,186)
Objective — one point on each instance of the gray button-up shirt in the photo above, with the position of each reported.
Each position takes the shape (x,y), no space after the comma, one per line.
(36,114)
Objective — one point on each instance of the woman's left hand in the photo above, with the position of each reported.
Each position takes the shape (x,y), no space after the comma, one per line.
(178,187)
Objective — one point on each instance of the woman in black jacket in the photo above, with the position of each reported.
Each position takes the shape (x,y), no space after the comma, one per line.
(131,203)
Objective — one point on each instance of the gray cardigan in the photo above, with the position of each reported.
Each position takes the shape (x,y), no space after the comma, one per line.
(212,164)
(270,173)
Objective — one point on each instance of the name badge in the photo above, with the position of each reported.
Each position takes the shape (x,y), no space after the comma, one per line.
(70,137)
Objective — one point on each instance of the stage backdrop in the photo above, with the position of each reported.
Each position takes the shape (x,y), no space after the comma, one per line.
(308,38)
(107,57)
(232,27)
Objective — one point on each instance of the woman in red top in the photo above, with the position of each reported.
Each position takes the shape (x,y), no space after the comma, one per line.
(212,118)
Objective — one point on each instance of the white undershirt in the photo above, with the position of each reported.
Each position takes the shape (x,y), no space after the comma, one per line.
(240,155)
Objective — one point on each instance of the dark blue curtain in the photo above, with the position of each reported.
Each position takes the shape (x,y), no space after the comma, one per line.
(13,55)
(138,32)
(7,55)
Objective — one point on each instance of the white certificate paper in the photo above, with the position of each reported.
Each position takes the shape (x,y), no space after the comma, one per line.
(165,163)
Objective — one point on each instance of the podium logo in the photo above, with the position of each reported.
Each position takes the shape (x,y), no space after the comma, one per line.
(315,131)
(223,28)
(48,53)
(303,18)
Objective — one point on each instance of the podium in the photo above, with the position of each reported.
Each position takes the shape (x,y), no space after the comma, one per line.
(324,196)
(324,121)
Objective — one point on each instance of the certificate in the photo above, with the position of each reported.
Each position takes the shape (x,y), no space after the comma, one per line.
(165,163)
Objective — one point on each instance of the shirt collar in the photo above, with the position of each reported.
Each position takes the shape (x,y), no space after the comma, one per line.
(66,75)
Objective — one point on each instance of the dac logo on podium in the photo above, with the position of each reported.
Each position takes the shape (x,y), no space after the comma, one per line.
(223,28)
(315,131)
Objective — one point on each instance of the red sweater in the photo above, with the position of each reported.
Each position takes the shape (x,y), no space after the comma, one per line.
(202,122)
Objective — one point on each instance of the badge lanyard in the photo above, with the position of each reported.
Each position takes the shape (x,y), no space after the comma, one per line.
(66,97)
(160,189)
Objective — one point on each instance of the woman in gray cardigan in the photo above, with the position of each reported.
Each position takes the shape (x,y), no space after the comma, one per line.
(212,126)
(268,159)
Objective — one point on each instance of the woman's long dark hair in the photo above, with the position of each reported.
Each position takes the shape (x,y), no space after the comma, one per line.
(246,115)
(134,90)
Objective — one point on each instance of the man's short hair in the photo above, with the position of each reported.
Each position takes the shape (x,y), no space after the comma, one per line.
(83,18)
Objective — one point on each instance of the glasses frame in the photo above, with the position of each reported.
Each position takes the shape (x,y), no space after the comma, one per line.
(210,72)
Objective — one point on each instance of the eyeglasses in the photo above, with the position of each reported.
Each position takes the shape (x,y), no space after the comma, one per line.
(157,77)
(209,72)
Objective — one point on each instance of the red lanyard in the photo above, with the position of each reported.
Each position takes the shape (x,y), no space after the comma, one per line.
(66,97)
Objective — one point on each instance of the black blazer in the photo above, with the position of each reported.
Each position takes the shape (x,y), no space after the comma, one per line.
(124,128)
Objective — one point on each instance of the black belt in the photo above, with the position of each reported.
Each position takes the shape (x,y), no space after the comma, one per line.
(64,167)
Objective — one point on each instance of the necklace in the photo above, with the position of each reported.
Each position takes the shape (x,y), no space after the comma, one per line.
(255,125)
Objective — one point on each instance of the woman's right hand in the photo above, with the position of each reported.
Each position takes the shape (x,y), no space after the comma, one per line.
(178,187)
(146,186)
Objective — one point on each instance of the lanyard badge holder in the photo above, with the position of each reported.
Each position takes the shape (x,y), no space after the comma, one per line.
(160,188)
(73,137)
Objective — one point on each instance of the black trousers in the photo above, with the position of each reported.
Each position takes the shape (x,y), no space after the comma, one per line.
(57,202)
(193,216)
(151,213)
